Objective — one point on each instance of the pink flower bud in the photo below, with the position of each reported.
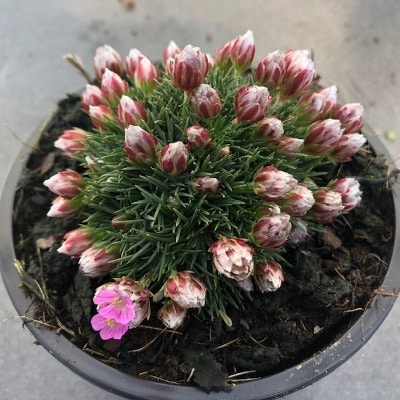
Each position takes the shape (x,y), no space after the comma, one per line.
(223,56)
(233,258)
(67,184)
(322,137)
(172,315)
(268,276)
(64,208)
(349,188)
(108,327)
(270,130)
(96,263)
(142,311)
(114,304)
(272,184)
(91,96)
(289,144)
(170,51)
(100,116)
(198,138)
(71,142)
(348,145)
(299,74)
(319,104)
(328,205)
(132,62)
(272,232)
(242,51)
(145,75)
(270,70)
(136,290)
(174,158)
(107,57)
(207,185)
(140,146)
(186,290)
(206,101)
(75,242)
(350,116)
(130,112)
(252,103)
(113,87)
(190,68)
(298,201)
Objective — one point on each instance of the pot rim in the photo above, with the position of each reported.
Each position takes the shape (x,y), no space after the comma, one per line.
(131,387)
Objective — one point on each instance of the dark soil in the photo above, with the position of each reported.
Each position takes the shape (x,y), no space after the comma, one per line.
(332,278)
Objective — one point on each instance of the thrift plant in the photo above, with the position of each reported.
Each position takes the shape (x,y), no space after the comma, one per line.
(196,177)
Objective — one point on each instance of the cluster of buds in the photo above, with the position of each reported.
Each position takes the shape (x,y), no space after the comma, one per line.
(197,176)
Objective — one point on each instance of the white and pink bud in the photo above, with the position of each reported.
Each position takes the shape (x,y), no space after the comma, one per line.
(170,51)
(91,96)
(270,70)
(174,158)
(348,145)
(107,58)
(207,185)
(113,87)
(142,311)
(272,184)
(132,63)
(322,137)
(252,103)
(298,201)
(66,183)
(71,141)
(289,144)
(349,188)
(76,242)
(233,257)
(272,232)
(223,55)
(189,68)
(130,112)
(242,51)
(224,151)
(270,130)
(268,276)
(64,208)
(206,101)
(318,105)
(246,284)
(172,315)
(140,146)
(185,289)
(198,138)
(299,73)
(100,116)
(145,75)
(328,205)
(350,116)
(96,263)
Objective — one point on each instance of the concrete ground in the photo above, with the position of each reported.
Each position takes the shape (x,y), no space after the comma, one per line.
(356,47)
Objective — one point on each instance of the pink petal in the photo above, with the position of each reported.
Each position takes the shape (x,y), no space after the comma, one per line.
(98,322)
(105,296)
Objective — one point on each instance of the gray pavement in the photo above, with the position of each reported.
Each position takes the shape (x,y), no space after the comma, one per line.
(356,46)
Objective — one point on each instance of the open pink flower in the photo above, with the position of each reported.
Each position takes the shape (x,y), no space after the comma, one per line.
(114,304)
(108,327)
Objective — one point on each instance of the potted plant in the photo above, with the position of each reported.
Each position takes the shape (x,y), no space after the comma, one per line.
(209,225)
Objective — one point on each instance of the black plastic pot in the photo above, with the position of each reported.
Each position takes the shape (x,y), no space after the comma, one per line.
(114,381)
